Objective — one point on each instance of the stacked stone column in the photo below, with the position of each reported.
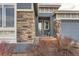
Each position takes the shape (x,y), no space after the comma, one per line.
(25,26)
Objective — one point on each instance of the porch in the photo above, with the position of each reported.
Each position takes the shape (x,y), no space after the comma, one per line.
(45,24)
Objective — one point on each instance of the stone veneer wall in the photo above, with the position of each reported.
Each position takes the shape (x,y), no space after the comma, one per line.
(25,26)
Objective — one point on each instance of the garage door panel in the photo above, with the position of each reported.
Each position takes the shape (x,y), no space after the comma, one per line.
(70,29)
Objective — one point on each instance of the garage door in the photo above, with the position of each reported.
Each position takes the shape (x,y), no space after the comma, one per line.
(70,28)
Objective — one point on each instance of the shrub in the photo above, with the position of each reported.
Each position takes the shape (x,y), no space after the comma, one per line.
(49,47)
(68,47)
(44,47)
(6,49)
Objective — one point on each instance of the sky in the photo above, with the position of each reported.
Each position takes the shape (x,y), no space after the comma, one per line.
(41,1)
(69,6)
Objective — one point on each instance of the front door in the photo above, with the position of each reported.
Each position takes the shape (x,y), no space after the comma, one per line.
(44,26)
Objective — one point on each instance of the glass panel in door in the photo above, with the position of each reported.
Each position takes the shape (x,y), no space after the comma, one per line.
(44,26)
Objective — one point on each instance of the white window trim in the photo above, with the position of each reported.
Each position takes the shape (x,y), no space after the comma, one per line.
(10,28)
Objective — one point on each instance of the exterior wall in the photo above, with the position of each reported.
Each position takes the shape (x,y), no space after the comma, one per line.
(25,26)
(69,22)
(47,9)
(68,16)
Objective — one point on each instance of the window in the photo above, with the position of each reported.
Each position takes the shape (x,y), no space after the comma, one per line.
(46,25)
(7,16)
(24,5)
(40,25)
